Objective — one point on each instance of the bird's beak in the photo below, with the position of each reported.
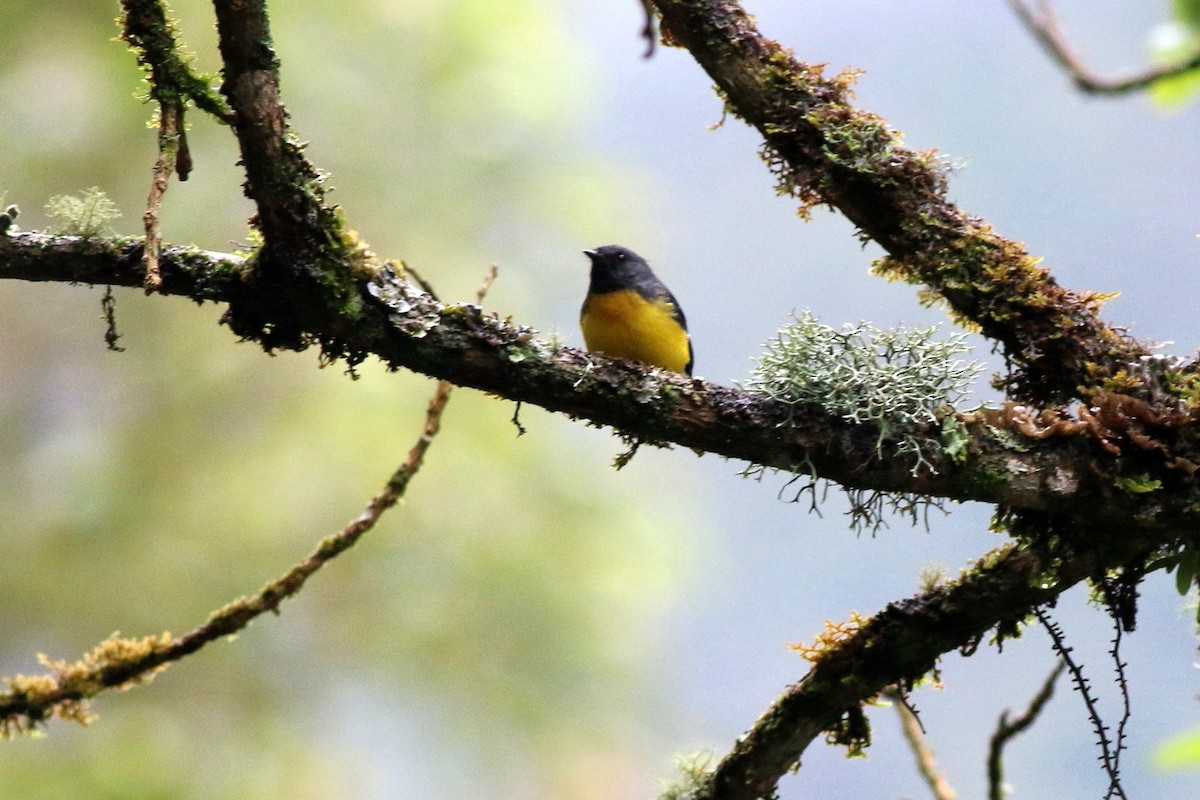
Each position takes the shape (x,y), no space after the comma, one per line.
(590,254)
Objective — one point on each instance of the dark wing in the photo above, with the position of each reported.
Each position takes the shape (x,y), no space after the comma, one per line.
(653,290)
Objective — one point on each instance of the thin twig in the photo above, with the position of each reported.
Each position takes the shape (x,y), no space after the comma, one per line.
(108,307)
(488,279)
(426,286)
(914,733)
(1123,687)
(516,419)
(1042,23)
(122,662)
(170,145)
(649,30)
(1107,757)
(147,29)
(1006,730)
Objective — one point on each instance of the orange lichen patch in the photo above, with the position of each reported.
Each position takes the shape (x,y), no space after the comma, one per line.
(834,634)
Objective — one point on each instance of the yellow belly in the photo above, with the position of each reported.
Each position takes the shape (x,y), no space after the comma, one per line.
(623,324)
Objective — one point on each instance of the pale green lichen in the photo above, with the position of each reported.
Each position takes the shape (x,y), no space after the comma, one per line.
(692,772)
(955,439)
(88,214)
(895,379)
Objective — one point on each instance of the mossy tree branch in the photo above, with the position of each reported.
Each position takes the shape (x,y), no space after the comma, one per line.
(824,150)
(1068,476)
(307,261)
(899,645)
(279,178)
(1007,463)
(147,29)
(1008,457)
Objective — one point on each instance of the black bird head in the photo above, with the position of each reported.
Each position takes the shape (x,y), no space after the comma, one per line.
(615,267)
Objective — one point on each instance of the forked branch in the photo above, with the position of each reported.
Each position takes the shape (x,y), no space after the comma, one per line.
(1042,23)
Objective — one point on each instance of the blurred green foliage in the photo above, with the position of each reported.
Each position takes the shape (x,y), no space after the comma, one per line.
(497,626)
(1173,42)
(1179,752)
(1187,12)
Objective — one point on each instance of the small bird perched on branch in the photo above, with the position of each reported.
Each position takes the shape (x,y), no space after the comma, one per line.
(629,313)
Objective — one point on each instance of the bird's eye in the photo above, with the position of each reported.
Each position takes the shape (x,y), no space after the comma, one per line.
(620,256)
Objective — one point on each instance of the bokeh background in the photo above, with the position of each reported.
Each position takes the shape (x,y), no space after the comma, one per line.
(530,623)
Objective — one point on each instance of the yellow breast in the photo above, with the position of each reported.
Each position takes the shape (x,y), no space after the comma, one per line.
(625,325)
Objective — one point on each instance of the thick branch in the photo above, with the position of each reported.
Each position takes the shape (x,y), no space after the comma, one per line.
(306,265)
(276,172)
(1065,471)
(825,150)
(897,646)
(282,183)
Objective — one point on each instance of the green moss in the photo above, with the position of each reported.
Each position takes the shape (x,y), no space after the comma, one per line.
(1138,484)
(853,732)
(170,79)
(990,477)
(1184,385)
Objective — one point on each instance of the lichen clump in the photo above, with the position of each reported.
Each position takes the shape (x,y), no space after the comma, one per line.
(88,214)
(895,379)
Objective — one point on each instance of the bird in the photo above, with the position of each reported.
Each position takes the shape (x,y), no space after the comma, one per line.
(629,313)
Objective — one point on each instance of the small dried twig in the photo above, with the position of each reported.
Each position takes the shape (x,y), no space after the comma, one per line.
(1006,729)
(516,419)
(914,733)
(488,279)
(172,143)
(1042,23)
